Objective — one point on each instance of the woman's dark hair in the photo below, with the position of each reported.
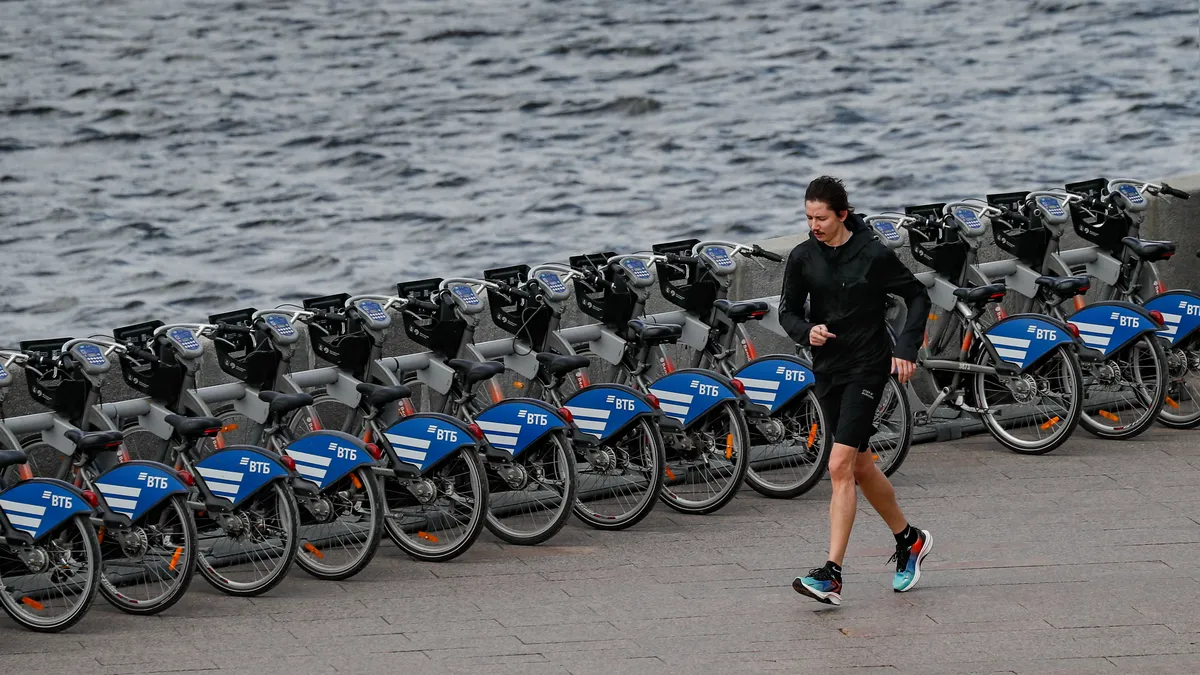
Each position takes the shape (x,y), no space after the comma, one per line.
(829,190)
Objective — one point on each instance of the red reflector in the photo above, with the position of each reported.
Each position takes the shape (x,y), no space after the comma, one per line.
(186,477)
(475,431)
(997,296)
(1157,316)
(652,400)
(288,462)
(213,431)
(1074,330)
(374,450)
(566,415)
(737,386)
(114,444)
(91,498)
(1168,255)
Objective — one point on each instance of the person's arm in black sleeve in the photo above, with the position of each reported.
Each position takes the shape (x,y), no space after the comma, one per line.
(897,279)
(791,301)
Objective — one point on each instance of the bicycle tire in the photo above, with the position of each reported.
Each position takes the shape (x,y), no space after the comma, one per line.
(1064,426)
(413,546)
(565,455)
(285,499)
(18,611)
(1157,393)
(894,459)
(586,510)
(187,554)
(737,444)
(1187,358)
(808,432)
(310,557)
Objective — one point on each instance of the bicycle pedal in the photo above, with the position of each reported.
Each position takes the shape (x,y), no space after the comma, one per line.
(920,418)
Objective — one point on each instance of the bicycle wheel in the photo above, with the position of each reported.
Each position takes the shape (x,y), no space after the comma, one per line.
(893,428)
(1182,409)
(148,567)
(1123,394)
(54,585)
(619,481)
(42,460)
(790,450)
(249,550)
(438,516)
(340,529)
(707,463)
(327,413)
(1034,412)
(536,504)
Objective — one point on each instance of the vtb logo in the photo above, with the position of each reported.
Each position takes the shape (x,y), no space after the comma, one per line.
(619,403)
(153,481)
(60,501)
(706,389)
(350,453)
(441,434)
(255,467)
(536,419)
(1042,333)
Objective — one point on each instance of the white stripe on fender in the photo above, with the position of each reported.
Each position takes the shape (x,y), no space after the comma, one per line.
(752,383)
(119,490)
(409,441)
(310,471)
(1007,341)
(1094,328)
(217,474)
(671,396)
(405,453)
(121,504)
(764,396)
(1170,330)
(1094,341)
(501,440)
(307,458)
(1172,318)
(25,521)
(595,413)
(590,425)
(674,410)
(222,488)
(513,429)
(1010,353)
(18,507)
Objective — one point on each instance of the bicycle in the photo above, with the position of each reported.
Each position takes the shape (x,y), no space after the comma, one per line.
(49,552)
(147,532)
(1024,368)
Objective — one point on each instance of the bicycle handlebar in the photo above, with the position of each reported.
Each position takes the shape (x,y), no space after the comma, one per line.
(1174,192)
(197,327)
(764,253)
(223,327)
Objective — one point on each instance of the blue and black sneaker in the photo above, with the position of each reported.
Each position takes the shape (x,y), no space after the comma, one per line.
(908,561)
(820,585)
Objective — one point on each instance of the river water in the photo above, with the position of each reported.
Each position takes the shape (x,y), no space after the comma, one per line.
(172,159)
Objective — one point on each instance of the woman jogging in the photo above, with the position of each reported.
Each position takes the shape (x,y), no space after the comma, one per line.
(846,275)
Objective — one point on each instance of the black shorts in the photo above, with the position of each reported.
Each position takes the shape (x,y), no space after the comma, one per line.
(850,406)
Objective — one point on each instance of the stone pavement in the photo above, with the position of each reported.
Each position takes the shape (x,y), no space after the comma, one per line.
(1083,561)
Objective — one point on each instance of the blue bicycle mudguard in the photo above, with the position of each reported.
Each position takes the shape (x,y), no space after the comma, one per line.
(325,457)
(1108,326)
(685,395)
(424,439)
(604,410)
(1022,339)
(133,488)
(239,471)
(39,505)
(1181,314)
(776,379)
(514,424)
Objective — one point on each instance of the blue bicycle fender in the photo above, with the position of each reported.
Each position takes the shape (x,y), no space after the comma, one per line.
(425,439)
(774,380)
(686,395)
(1181,314)
(39,505)
(1108,326)
(604,410)
(325,457)
(515,424)
(1022,339)
(239,471)
(133,488)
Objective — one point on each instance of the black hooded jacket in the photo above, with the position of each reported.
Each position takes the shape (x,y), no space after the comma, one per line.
(847,288)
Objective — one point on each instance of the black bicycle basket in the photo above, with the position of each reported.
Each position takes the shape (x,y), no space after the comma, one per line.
(161,380)
(63,391)
(342,343)
(943,249)
(685,285)
(247,357)
(440,329)
(527,320)
(1104,228)
(609,301)
(1026,243)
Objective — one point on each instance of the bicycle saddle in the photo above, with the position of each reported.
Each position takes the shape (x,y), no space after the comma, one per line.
(1150,251)
(378,396)
(94,442)
(742,311)
(981,295)
(11,457)
(194,427)
(1064,286)
(474,371)
(282,404)
(655,333)
(558,365)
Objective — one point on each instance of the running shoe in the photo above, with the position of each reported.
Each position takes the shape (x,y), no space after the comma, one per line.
(820,586)
(908,562)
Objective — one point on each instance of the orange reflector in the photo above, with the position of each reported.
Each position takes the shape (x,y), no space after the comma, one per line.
(494,390)
(357,483)
(729,446)
(874,457)
(33,603)
(812,434)
(427,537)
(1109,416)
(1050,422)
(1079,302)
(933,317)
(175,558)
(100,535)
(966,343)
(670,473)
(316,552)
(229,427)
(517,384)
(1173,403)
(25,472)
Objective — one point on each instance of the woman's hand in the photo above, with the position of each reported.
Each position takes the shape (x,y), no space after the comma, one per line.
(903,369)
(819,334)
